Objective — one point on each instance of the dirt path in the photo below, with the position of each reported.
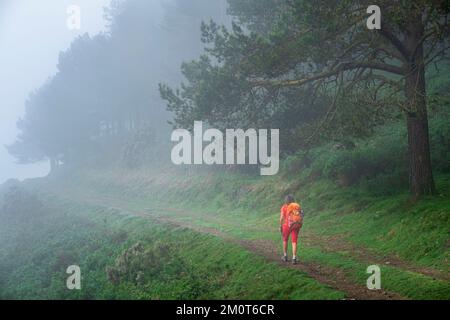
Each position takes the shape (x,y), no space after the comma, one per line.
(337,243)
(332,277)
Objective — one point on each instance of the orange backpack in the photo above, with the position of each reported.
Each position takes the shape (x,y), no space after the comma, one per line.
(295,214)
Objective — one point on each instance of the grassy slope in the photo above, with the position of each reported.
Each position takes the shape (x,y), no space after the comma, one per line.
(247,207)
(241,206)
(197,266)
(339,221)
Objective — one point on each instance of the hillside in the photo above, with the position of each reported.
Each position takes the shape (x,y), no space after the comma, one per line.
(176,134)
(190,234)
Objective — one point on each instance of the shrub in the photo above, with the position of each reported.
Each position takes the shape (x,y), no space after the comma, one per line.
(378,164)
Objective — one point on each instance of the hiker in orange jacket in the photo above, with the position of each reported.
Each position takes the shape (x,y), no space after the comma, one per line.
(291,220)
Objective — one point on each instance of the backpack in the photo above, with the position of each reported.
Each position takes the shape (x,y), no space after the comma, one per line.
(295,214)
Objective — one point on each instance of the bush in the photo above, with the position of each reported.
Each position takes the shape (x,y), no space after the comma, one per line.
(19,205)
(383,154)
(378,164)
(157,271)
(137,262)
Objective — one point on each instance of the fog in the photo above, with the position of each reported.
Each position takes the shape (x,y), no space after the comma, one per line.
(124,48)
(150,134)
(32,33)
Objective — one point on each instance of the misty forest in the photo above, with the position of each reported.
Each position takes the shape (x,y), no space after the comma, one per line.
(364,146)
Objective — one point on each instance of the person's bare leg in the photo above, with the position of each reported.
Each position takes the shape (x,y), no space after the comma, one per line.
(285,248)
(294,250)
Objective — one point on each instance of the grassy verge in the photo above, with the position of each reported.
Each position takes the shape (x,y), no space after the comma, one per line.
(168,264)
(247,208)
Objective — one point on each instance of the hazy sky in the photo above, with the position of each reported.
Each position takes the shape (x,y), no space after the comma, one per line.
(32,33)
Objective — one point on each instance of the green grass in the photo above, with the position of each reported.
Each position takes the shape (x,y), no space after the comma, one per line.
(247,208)
(417,232)
(196,266)
(374,212)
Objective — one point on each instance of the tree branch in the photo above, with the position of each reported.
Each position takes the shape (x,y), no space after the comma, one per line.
(340,68)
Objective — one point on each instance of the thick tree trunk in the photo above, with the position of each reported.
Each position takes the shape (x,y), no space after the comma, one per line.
(420,173)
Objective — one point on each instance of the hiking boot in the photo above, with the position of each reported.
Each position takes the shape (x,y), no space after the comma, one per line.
(294,260)
(284,258)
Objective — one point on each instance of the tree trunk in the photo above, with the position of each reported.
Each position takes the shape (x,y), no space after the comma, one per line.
(421,180)
(420,171)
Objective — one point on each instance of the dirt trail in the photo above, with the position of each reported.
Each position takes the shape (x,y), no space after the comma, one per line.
(337,243)
(332,277)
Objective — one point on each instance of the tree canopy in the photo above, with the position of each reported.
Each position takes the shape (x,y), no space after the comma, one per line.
(106,85)
(278,54)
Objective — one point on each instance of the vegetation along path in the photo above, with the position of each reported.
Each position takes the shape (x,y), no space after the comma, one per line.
(333,277)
